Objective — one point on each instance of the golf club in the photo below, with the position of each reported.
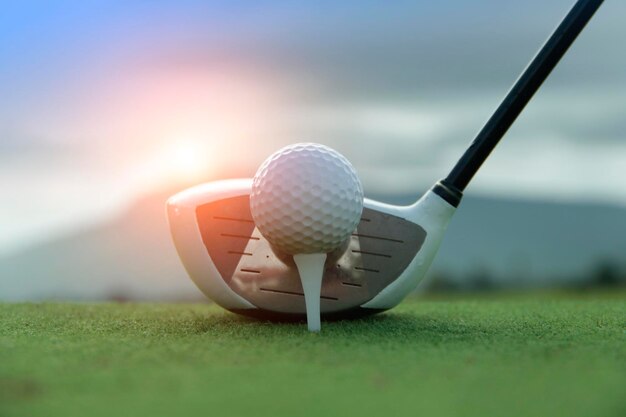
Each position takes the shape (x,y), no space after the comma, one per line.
(387,255)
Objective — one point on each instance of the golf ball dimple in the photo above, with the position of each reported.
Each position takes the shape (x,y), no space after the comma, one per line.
(306,198)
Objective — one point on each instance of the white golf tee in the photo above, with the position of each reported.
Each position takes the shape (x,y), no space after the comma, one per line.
(311,269)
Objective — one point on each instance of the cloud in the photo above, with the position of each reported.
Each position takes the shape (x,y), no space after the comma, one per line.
(565,144)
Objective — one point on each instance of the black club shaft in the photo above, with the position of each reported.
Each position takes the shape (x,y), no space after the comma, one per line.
(520,94)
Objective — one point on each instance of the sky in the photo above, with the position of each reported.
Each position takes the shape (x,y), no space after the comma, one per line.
(102,102)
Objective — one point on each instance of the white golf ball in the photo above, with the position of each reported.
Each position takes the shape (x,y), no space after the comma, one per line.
(306,198)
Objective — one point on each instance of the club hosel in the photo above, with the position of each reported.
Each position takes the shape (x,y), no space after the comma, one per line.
(448,192)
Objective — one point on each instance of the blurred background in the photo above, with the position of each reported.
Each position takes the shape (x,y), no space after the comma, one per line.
(107,108)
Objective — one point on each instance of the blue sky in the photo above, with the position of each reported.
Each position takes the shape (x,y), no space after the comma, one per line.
(98,98)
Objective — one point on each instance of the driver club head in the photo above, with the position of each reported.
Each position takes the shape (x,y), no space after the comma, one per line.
(234,265)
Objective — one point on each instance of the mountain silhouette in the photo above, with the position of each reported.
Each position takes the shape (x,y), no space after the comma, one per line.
(517,243)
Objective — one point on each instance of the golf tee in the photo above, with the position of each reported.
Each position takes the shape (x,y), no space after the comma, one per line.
(311,270)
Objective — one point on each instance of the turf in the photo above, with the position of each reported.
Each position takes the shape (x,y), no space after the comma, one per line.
(517,356)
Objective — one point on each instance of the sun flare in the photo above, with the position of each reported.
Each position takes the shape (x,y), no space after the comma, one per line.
(180,160)
(187,158)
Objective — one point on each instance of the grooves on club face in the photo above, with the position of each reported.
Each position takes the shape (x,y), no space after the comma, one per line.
(379,250)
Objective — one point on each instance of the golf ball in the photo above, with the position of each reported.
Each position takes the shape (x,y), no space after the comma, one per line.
(306,198)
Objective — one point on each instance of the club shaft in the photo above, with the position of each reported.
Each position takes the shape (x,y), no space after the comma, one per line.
(519,95)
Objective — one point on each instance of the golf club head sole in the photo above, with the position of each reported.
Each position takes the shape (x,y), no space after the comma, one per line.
(231,262)
(352,313)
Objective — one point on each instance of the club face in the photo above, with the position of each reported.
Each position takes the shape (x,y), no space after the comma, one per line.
(234,265)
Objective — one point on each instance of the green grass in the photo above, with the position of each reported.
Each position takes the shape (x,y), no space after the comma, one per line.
(514,356)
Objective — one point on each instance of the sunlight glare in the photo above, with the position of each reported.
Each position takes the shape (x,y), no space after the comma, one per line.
(187,159)
(179,160)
